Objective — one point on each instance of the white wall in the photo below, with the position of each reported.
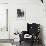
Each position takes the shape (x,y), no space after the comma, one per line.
(3,1)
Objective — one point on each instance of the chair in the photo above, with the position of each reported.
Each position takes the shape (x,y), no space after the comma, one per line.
(33,30)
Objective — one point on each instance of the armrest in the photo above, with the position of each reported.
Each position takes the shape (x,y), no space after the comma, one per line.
(24,32)
(22,35)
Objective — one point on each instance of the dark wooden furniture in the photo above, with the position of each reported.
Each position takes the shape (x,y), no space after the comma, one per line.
(32,29)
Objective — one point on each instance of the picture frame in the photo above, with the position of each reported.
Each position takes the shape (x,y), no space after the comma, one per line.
(21,14)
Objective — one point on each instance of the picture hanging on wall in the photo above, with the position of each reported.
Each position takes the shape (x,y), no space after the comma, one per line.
(20,14)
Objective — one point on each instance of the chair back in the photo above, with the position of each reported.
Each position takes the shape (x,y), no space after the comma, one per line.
(33,28)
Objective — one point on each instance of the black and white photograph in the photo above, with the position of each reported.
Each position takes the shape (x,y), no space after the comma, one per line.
(22,22)
(21,14)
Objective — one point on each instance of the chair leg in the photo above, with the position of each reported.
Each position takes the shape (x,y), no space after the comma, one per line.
(20,42)
(32,42)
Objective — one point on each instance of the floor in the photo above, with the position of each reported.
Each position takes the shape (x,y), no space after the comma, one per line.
(5,44)
(23,44)
(26,44)
(18,44)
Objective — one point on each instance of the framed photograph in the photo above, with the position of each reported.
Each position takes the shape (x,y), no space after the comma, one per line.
(21,14)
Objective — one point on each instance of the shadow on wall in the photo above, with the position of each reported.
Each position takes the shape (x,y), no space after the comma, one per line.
(41,34)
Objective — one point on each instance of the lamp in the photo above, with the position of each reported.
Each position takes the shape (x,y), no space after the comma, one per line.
(42,1)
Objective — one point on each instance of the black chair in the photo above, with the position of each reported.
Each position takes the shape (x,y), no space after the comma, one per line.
(32,29)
